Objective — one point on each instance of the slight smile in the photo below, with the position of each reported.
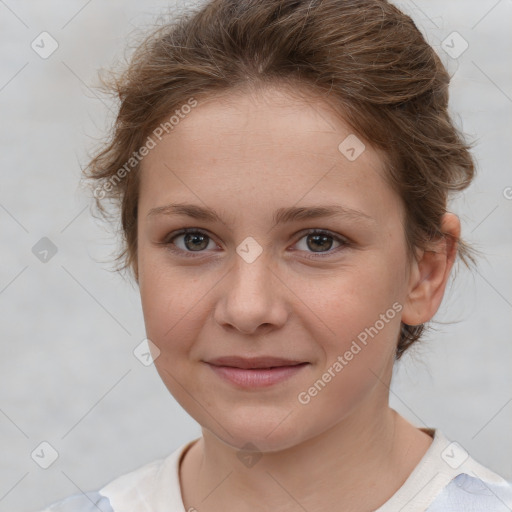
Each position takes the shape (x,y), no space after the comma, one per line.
(255,372)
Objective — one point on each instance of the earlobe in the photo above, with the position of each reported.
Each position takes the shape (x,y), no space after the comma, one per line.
(429,274)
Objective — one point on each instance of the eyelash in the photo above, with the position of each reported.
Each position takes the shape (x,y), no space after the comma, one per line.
(190,254)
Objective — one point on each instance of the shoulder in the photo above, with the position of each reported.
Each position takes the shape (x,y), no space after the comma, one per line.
(448,479)
(87,502)
(154,486)
(469,493)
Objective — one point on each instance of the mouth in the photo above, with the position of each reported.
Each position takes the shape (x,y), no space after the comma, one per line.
(250,363)
(255,372)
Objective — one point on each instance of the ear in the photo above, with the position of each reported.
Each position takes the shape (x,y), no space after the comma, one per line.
(429,274)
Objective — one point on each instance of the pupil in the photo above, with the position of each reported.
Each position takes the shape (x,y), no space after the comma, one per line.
(196,237)
(322,239)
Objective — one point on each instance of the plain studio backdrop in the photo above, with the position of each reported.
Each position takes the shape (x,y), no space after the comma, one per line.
(69,375)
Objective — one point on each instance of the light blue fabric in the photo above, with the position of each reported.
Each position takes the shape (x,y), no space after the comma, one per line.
(463,494)
(469,494)
(88,502)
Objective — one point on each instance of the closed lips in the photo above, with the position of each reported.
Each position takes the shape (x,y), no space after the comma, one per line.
(254,363)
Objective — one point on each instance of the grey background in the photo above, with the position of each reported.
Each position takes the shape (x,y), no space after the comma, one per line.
(69,326)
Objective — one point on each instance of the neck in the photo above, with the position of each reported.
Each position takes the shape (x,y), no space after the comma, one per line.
(361,461)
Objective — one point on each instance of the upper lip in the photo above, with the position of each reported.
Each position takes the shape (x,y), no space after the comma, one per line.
(253,362)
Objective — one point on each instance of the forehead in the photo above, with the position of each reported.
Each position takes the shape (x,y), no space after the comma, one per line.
(275,115)
(266,145)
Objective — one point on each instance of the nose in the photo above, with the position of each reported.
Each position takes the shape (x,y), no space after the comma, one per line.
(253,298)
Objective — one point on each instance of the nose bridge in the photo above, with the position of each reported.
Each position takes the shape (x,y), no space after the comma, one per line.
(249,295)
(252,266)
(250,250)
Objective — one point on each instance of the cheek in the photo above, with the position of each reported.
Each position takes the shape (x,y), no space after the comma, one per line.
(358,348)
(363,315)
(168,301)
(352,300)
(168,298)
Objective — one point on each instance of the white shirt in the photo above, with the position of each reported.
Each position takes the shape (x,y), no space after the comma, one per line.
(446,479)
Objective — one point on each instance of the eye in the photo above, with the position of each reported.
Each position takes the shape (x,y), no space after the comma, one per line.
(320,242)
(190,242)
(194,241)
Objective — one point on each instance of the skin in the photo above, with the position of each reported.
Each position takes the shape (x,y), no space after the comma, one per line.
(245,155)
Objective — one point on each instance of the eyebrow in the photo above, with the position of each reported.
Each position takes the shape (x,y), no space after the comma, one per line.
(281,216)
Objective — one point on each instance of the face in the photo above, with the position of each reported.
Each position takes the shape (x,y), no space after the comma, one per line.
(273,276)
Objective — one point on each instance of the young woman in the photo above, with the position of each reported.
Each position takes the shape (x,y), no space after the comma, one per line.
(282,170)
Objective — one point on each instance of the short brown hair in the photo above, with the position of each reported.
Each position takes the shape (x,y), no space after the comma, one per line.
(365,57)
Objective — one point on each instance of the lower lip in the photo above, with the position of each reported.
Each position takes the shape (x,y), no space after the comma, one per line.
(257,378)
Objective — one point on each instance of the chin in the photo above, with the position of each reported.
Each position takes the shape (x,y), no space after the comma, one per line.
(268,432)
